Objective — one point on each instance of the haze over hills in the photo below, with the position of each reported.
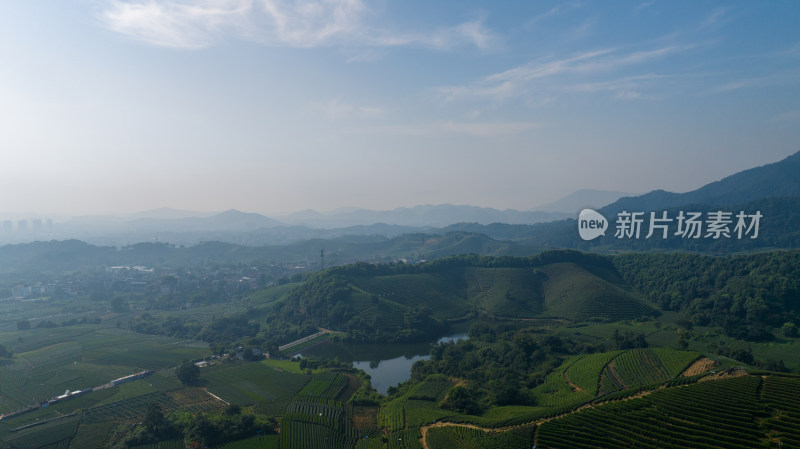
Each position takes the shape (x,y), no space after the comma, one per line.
(584,198)
(420,216)
(774,189)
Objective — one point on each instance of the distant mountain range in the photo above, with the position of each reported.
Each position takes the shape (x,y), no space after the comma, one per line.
(780,179)
(420,216)
(190,227)
(585,198)
(774,189)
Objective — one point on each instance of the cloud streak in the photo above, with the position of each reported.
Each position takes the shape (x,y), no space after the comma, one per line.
(550,73)
(781,78)
(185,24)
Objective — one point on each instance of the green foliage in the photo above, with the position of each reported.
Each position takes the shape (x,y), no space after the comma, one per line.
(119,305)
(464,400)
(188,373)
(502,365)
(744,295)
(220,330)
(392,303)
(209,429)
(153,428)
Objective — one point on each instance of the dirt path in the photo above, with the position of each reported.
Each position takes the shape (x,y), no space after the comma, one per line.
(424,430)
(569,382)
(611,369)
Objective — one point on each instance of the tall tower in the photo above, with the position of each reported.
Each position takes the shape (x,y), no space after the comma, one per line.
(321,259)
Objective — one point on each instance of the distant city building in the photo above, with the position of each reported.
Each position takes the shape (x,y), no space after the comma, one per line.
(36,224)
(8,226)
(22,226)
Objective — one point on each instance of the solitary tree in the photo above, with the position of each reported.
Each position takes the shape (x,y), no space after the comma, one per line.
(188,373)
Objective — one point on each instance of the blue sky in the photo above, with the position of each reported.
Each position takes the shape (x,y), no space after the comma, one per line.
(272,106)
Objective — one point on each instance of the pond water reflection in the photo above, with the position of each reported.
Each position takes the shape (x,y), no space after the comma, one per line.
(387,364)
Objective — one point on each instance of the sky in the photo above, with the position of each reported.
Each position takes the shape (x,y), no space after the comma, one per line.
(275,106)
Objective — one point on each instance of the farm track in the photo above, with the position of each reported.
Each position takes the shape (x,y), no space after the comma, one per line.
(571,384)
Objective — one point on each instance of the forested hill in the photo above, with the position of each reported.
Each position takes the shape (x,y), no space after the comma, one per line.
(745,296)
(416,302)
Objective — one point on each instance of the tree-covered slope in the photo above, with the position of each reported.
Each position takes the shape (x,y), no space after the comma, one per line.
(407,302)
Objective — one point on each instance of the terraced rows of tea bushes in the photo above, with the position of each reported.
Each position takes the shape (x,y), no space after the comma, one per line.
(55,433)
(783,393)
(404,439)
(585,372)
(724,413)
(417,407)
(314,419)
(261,442)
(327,385)
(643,367)
(470,438)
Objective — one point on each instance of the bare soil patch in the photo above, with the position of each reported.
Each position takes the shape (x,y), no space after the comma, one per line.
(700,366)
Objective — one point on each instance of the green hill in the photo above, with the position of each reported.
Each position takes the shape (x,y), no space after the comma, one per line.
(408,302)
(573,292)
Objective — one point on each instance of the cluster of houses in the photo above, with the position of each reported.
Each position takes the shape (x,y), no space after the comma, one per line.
(159,281)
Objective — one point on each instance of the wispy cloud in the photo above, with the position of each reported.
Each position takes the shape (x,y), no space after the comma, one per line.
(717,17)
(175,24)
(555,11)
(587,65)
(627,88)
(294,23)
(781,78)
(643,5)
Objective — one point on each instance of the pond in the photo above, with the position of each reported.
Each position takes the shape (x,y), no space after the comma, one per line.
(387,364)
